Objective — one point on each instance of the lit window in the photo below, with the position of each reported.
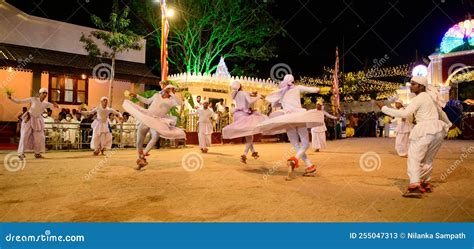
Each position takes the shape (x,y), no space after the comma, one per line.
(68,89)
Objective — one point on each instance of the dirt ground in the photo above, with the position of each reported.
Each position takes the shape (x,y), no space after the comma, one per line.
(76,186)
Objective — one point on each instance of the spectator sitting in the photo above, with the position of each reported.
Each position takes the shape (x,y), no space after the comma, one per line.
(78,117)
(128,130)
(70,129)
(51,129)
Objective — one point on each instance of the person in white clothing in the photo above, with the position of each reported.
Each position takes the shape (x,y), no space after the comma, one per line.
(431,127)
(32,135)
(206,115)
(404,126)
(70,128)
(220,106)
(154,120)
(101,134)
(293,119)
(51,129)
(318,133)
(245,119)
(198,104)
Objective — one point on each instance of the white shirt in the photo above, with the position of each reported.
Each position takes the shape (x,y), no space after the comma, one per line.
(102,113)
(403,126)
(291,100)
(205,115)
(37,107)
(198,106)
(243,101)
(49,122)
(430,119)
(160,106)
(220,108)
(322,128)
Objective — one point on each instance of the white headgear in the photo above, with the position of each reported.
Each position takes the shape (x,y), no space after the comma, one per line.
(288,79)
(235,85)
(431,90)
(101,99)
(169,87)
(422,80)
(43,90)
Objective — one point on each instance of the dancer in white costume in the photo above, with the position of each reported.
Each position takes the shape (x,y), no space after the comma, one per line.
(245,119)
(293,119)
(318,133)
(431,127)
(154,120)
(206,115)
(32,136)
(404,126)
(101,134)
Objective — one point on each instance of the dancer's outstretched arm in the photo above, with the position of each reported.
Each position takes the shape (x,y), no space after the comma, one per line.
(402,113)
(307,89)
(19,101)
(176,99)
(143,99)
(329,115)
(86,113)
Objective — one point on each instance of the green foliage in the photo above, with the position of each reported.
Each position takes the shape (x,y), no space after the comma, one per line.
(202,31)
(115,34)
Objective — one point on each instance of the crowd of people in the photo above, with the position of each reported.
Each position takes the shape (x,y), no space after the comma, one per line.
(70,129)
(418,142)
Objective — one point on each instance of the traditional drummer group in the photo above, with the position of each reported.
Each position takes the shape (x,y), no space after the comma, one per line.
(419,143)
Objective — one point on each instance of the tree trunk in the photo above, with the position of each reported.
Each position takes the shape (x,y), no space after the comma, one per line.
(112,75)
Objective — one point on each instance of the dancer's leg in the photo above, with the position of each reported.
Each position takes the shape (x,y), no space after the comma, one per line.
(249,145)
(142,130)
(152,142)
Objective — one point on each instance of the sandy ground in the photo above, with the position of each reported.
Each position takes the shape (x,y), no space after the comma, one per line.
(75,186)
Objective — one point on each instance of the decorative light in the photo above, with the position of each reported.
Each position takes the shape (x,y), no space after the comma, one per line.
(420,70)
(170,12)
(10,69)
(83,76)
(454,37)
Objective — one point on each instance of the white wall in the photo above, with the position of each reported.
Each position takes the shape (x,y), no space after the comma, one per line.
(19,28)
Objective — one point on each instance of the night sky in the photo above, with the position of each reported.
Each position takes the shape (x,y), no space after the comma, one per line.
(366,30)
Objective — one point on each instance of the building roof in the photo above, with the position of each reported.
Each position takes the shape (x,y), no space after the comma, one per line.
(68,63)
